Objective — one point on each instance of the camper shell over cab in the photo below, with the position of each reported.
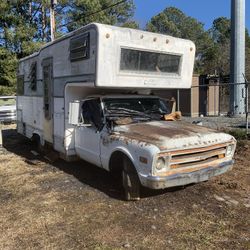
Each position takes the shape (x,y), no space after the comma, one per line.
(93,94)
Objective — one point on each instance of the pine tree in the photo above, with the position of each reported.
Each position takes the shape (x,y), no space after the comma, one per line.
(25,25)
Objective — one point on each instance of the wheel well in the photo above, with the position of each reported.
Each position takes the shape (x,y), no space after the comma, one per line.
(116,162)
(36,139)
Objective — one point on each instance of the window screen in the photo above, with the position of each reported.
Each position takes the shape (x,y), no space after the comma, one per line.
(33,70)
(47,90)
(20,85)
(136,60)
(79,48)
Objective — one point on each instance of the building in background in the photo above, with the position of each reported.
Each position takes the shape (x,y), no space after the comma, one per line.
(202,99)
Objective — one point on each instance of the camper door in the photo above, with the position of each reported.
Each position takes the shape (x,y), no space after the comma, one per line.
(48,99)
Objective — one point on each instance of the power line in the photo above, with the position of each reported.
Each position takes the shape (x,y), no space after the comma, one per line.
(93,13)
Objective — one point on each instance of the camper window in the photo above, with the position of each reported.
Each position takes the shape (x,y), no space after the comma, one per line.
(33,76)
(144,61)
(79,48)
(20,85)
(47,91)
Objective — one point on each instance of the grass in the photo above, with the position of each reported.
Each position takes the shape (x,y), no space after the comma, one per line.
(43,206)
(238,134)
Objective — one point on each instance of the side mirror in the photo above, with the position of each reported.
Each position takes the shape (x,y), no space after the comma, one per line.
(74,110)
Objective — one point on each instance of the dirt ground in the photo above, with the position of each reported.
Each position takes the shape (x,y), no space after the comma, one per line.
(63,205)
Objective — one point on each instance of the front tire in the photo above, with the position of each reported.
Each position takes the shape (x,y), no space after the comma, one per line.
(131,182)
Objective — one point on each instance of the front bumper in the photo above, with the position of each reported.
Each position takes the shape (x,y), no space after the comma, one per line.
(180,179)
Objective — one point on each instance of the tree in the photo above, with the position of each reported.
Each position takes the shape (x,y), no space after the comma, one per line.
(8,63)
(221,30)
(18,32)
(217,58)
(173,21)
(248,63)
(247,55)
(25,25)
(81,12)
(18,26)
(131,25)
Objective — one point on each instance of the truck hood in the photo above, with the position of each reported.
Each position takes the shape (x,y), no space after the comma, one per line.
(172,135)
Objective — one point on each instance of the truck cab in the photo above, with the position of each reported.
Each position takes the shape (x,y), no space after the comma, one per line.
(130,136)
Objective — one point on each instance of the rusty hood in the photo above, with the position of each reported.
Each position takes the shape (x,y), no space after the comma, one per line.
(171,135)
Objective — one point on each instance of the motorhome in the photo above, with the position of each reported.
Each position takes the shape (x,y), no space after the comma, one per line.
(96,94)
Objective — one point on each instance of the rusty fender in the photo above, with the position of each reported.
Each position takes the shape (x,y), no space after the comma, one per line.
(180,179)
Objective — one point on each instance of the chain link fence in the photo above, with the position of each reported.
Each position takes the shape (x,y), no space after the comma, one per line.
(214,106)
(208,103)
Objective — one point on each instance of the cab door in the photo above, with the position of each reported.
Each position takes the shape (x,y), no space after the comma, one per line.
(87,133)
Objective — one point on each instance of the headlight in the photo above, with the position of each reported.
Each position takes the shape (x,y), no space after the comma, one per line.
(230,149)
(160,164)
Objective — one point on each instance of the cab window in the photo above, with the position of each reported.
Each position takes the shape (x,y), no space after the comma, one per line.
(92,113)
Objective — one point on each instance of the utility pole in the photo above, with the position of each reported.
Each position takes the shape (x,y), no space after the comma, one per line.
(52,19)
(237,60)
(43,12)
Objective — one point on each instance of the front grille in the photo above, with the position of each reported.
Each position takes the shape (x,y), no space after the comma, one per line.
(197,157)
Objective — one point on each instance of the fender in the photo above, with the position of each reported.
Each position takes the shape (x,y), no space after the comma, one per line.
(123,150)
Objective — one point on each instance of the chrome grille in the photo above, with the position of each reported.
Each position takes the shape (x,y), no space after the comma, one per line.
(197,156)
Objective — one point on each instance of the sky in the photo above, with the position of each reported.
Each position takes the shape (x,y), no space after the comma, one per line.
(203,10)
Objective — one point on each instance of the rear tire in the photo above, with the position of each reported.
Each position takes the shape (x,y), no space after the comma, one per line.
(36,143)
(131,182)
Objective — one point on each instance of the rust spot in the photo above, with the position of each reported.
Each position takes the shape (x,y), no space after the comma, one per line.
(124,121)
(158,134)
(143,160)
(221,156)
(154,133)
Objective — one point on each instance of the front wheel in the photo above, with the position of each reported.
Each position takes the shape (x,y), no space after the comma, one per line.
(131,182)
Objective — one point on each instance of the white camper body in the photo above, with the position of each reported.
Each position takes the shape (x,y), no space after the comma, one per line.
(105,64)
(60,79)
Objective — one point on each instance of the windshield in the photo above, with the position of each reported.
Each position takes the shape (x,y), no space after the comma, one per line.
(7,101)
(138,109)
